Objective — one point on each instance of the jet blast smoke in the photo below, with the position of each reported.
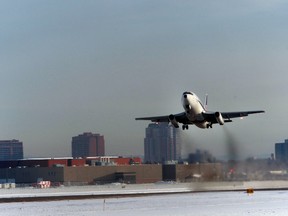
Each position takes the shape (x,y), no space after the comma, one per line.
(232,149)
(188,146)
(231,145)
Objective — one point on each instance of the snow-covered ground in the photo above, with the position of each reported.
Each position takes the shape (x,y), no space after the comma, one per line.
(206,203)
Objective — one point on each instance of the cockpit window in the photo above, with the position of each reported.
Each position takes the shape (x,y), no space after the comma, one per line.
(190,93)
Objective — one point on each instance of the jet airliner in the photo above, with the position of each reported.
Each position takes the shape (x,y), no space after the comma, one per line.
(196,113)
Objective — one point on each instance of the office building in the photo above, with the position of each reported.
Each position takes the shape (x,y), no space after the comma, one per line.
(11,150)
(162,143)
(281,151)
(88,145)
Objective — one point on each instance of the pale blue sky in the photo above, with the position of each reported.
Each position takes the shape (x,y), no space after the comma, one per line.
(69,67)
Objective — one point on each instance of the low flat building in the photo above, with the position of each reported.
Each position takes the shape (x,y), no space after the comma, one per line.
(147,173)
(80,171)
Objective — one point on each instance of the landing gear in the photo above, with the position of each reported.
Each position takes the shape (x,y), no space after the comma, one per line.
(209,125)
(185,127)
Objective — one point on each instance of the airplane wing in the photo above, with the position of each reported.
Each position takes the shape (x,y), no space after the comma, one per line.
(180,117)
(229,115)
(210,116)
(155,118)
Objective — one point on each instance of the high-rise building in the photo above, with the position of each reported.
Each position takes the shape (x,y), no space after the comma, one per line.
(281,151)
(162,143)
(11,150)
(88,145)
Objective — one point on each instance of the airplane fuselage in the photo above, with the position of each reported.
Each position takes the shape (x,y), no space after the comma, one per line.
(194,109)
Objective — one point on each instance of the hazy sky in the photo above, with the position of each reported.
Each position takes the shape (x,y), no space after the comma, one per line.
(69,67)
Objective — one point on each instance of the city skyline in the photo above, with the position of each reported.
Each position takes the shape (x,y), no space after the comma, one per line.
(70,66)
(162,131)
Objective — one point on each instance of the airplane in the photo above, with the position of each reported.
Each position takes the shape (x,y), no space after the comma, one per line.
(196,113)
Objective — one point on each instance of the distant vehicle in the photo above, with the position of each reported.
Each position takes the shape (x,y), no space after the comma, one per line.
(195,113)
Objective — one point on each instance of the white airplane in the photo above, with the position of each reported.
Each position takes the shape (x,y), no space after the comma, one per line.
(195,113)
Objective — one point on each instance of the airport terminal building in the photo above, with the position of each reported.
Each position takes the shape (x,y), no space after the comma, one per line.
(102,170)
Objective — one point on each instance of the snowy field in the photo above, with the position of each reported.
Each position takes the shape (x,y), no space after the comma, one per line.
(206,203)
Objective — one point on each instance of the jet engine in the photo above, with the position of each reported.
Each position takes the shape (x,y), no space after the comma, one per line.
(173,121)
(219,118)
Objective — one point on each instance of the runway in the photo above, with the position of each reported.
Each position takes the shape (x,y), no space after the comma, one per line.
(200,204)
(118,190)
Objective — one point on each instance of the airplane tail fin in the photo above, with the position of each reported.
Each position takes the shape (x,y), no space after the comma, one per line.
(206,102)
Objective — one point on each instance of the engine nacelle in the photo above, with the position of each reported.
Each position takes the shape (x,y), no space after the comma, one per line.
(173,121)
(219,118)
